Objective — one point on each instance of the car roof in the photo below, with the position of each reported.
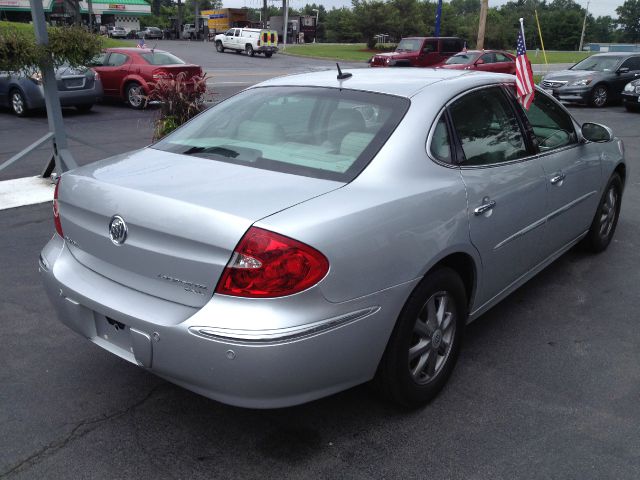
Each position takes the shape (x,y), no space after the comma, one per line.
(616,54)
(133,50)
(402,82)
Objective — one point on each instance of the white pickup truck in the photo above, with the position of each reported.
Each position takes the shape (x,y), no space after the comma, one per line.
(249,40)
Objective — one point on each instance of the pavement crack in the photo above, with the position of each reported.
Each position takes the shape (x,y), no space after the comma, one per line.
(79,430)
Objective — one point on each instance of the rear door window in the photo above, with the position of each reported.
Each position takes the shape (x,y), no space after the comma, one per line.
(117,59)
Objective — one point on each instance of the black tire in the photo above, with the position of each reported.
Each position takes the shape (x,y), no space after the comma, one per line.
(599,96)
(134,96)
(421,354)
(605,220)
(84,108)
(18,103)
(249,49)
(219,47)
(268,54)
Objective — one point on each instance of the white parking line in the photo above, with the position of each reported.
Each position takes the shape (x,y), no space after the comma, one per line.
(25,191)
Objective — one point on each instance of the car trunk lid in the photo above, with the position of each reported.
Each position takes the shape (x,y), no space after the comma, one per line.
(184,216)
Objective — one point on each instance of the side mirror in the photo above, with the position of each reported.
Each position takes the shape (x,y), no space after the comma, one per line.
(595,132)
(479,61)
(623,70)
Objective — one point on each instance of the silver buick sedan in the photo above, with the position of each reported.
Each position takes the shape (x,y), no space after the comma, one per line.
(318,231)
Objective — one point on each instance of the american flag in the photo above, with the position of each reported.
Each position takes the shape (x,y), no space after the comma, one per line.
(141,43)
(524,74)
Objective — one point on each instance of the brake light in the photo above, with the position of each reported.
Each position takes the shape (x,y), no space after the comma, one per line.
(56,210)
(266,264)
(161,75)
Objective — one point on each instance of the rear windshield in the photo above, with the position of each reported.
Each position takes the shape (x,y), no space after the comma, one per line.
(161,58)
(312,131)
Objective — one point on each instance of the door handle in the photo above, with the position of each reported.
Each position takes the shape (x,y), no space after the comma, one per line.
(484,208)
(557,180)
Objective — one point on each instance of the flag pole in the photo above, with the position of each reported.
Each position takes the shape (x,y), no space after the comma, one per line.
(541,41)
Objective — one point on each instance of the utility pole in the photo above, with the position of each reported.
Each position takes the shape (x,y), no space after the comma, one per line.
(196,13)
(90,5)
(62,156)
(484,6)
(584,24)
(263,17)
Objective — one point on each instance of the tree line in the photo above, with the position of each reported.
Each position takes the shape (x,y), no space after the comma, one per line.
(560,20)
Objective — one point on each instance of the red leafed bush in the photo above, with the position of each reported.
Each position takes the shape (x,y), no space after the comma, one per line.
(181,98)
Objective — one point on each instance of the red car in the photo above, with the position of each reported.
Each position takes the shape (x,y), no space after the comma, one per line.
(419,52)
(129,73)
(496,61)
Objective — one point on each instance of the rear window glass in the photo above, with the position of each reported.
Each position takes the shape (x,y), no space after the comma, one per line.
(312,131)
(161,58)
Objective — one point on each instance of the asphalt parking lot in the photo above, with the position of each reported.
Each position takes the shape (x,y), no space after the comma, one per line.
(547,386)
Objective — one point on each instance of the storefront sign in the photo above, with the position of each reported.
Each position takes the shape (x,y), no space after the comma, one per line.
(113,6)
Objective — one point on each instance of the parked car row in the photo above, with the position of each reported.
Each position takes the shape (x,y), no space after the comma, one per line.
(118,73)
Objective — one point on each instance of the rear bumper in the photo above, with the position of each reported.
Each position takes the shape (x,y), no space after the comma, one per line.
(334,347)
(68,98)
(267,49)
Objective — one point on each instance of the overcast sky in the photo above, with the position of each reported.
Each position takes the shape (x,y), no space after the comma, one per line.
(597,8)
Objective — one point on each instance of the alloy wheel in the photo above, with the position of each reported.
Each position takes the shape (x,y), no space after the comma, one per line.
(432,338)
(17,103)
(135,96)
(600,96)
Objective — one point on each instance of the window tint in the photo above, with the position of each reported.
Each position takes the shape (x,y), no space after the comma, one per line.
(502,58)
(161,58)
(99,60)
(116,59)
(317,132)
(488,58)
(440,145)
(450,46)
(430,46)
(487,128)
(237,32)
(552,126)
(632,63)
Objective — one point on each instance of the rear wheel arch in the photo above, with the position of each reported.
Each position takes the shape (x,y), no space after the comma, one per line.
(465,266)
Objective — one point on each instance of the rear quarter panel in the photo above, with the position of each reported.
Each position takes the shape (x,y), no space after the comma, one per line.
(391,224)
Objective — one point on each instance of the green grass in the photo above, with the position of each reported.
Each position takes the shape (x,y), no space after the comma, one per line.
(358,52)
(352,52)
(28,29)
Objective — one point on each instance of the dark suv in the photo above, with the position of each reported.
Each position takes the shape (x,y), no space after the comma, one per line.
(419,52)
(596,80)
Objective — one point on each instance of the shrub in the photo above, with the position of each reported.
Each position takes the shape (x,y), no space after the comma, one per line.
(70,45)
(180,100)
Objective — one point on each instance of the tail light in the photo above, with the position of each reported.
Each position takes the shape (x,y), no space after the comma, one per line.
(56,210)
(273,38)
(161,75)
(266,264)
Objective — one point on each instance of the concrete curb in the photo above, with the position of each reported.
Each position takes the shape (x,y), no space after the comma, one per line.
(25,191)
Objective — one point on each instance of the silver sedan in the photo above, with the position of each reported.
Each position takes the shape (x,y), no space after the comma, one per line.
(318,231)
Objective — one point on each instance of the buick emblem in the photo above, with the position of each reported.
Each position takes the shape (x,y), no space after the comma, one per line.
(117,230)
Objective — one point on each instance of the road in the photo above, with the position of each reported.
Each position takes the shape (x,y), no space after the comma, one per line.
(547,385)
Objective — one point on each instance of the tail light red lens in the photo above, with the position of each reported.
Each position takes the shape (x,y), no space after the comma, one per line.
(266,264)
(56,211)
(161,75)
